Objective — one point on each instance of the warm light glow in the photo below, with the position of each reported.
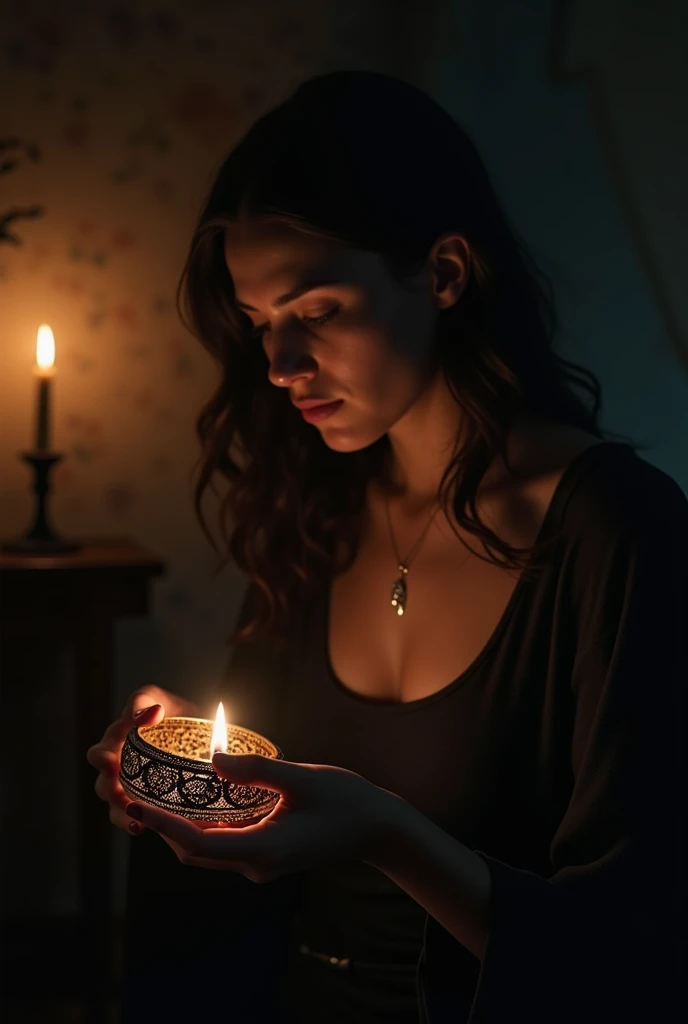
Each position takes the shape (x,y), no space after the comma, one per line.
(219,740)
(45,347)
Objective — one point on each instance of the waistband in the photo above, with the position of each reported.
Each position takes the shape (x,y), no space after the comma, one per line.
(387,962)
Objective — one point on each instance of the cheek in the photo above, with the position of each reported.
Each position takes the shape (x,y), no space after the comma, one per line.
(401,353)
(378,385)
(380,367)
(393,361)
(386,345)
(411,334)
(372,372)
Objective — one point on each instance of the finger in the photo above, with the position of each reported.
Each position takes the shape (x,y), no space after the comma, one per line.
(103,760)
(170,702)
(116,733)
(111,791)
(214,843)
(228,824)
(242,824)
(120,819)
(105,756)
(146,697)
(184,832)
(256,770)
(114,795)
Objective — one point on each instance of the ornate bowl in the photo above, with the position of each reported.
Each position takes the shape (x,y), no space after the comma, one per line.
(168,765)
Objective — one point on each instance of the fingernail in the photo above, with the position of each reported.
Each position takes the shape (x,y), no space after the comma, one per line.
(135,828)
(134,811)
(142,711)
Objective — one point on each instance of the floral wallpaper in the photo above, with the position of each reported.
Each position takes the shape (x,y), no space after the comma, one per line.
(114,117)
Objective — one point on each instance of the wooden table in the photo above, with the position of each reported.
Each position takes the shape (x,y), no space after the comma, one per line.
(47,604)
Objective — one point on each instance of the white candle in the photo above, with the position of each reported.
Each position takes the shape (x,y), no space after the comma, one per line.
(44,371)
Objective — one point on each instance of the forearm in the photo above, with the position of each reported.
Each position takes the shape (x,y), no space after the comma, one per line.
(441,874)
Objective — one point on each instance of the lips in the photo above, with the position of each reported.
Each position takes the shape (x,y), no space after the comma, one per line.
(320,411)
(312,403)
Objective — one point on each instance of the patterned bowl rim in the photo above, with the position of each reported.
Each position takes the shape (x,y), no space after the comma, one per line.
(189,764)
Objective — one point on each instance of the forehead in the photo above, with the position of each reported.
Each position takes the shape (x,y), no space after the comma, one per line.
(261,256)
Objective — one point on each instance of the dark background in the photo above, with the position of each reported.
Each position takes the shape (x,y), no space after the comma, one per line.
(114,116)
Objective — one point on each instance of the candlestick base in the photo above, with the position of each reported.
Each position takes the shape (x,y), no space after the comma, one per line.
(41,539)
(25,546)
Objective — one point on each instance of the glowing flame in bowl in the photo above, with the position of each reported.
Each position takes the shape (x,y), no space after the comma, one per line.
(219,738)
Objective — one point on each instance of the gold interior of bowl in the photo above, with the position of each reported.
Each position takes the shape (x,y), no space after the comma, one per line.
(191,738)
(169,766)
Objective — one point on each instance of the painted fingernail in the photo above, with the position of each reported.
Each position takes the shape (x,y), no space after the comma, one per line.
(135,828)
(142,711)
(134,811)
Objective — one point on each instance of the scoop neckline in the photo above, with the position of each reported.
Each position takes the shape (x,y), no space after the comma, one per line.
(382,706)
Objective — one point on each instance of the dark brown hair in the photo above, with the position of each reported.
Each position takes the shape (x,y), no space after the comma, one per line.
(370,162)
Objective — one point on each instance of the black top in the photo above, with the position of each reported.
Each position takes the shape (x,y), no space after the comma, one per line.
(556,756)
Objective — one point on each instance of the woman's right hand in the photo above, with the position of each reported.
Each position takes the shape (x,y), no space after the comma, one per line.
(147,706)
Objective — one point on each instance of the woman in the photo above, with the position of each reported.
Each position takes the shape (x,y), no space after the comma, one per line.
(464,624)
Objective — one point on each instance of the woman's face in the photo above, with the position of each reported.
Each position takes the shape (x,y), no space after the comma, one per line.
(372,351)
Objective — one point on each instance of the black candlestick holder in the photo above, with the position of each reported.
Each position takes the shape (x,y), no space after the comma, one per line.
(41,539)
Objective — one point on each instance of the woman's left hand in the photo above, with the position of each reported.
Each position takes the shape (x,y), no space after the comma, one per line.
(324,814)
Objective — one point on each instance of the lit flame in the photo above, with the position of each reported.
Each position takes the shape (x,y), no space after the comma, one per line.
(219,740)
(45,347)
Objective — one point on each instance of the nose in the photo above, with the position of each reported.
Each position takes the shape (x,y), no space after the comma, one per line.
(289,360)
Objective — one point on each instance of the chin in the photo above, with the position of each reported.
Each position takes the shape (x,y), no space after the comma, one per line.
(351,439)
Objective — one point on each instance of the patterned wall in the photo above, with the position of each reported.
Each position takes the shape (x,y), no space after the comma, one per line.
(112,119)
(114,116)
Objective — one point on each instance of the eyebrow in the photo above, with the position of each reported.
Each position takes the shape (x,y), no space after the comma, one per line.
(295,293)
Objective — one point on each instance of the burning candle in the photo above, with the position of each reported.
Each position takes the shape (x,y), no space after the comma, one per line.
(219,738)
(169,765)
(44,371)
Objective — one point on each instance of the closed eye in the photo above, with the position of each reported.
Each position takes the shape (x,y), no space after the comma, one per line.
(258,333)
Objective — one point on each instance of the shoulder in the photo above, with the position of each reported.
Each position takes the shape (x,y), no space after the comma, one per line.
(611,492)
(577,485)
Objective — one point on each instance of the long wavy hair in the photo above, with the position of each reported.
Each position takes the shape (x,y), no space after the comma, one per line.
(367,161)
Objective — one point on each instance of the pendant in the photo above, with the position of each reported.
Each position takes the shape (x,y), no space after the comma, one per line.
(400,592)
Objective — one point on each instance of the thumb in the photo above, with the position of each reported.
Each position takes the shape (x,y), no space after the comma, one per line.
(256,770)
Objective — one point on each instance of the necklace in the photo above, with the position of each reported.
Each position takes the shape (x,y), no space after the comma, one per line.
(399,595)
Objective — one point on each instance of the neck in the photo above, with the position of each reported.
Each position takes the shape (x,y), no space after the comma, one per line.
(422,444)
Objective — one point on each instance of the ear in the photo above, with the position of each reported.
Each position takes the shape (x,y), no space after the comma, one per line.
(450,264)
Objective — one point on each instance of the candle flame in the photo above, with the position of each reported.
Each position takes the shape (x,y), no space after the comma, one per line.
(45,347)
(219,740)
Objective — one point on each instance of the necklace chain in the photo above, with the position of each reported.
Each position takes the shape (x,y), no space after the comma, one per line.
(405,561)
(400,587)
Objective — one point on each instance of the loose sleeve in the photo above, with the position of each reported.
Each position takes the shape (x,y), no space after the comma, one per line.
(600,940)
